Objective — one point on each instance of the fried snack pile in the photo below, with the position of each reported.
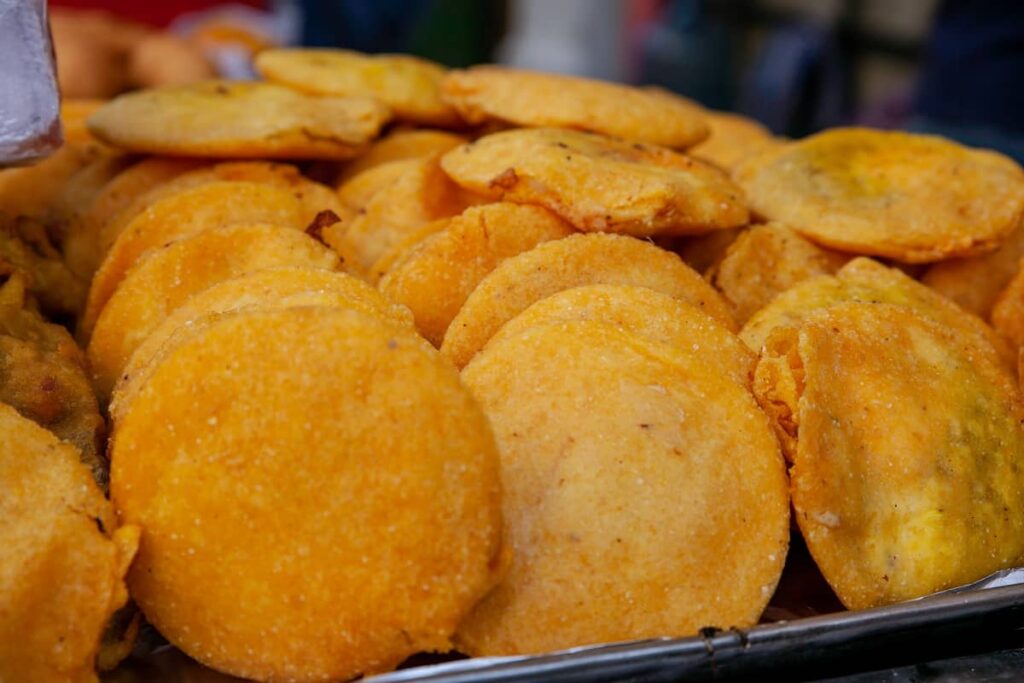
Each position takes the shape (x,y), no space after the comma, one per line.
(64,557)
(397,359)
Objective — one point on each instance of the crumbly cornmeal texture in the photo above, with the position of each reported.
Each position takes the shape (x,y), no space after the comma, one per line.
(313,196)
(398,251)
(912,198)
(240,120)
(435,277)
(213,205)
(533,99)
(573,261)
(765,261)
(167,277)
(356,192)
(732,138)
(419,194)
(400,144)
(270,288)
(43,377)
(645,313)
(906,476)
(867,281)
(266,563)
(1008,311)
(82,248)
(645,495)
(409,86)
(600,184)
(976,282)
(64,558)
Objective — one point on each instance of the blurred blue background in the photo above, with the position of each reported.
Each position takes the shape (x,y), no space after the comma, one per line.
(954,67)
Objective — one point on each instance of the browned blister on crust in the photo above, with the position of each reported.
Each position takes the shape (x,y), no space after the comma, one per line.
(908,197)
(602,433)
(600,184)
(238,119)
(534,99)
(577,260)
(436,276)
(63,561)
(905,446)
(315,466)
(765,261)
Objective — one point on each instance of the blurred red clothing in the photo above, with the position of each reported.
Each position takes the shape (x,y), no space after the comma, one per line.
(153,13)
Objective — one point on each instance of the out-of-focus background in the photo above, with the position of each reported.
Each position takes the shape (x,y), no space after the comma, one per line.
(954,67)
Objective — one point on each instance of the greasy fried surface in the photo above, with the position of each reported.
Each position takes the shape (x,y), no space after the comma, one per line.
(518,282)
(419,194)
(732,138)
(912,198)
(313,196)
(976,282)
(33,190)
(389,534)
(646,313)
(864,280)
(1008,311)
(212,205)
(82,189)
(82,249)
(25,249)
(435,278)
(906,476)
(238,119)
(765,261)
(42,375)
(169,276)
(408,85)
(270,288)
(62,563)
(598,183)
(357,191)
(534,99)
(644,493)
(401,144)
(398,251)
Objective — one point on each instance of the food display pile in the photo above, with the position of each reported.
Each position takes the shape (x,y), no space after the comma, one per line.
(307,375)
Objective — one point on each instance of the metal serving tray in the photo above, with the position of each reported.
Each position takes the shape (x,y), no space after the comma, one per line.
(805,634)
(982,616)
